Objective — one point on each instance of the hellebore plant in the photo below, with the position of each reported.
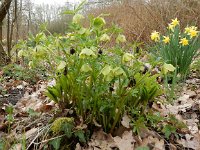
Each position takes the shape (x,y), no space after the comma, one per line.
(95,80)
(98,82)
(178,47)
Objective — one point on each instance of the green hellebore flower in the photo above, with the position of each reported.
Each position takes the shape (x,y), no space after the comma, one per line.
(109,77)
(77,18)
(61,65)
(127,57)
(106,70)
(31,64)
(118,71)
(86,52)
(168,68)
(104,38)
(82,31)
(86,68)
(121,39)
(99,22)
(21,53)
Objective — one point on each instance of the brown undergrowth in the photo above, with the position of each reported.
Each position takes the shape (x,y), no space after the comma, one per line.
(138,18)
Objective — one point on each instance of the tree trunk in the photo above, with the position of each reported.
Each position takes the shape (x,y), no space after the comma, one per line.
(3,11)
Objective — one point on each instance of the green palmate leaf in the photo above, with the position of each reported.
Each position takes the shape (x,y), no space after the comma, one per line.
(32,113)
(168,130)
(56,143)
(80,135)
(67,128)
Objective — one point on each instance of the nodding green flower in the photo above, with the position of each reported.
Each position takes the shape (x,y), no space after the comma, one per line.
(166,39)
(104,38)
(77,18)
(155,36)
(118,71)
(175,22)
(69,35)
(127,57)
(20,53)
(61,65)
(99,22)
(184,42)
(86,52)
(31,64)
(168,68)
(86,68)
(121,39)
(106,70)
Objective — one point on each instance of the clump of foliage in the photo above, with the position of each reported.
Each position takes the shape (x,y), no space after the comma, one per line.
(176,47)
(96,80)
(19,72)
(66,131)
(99,82)
(167,126)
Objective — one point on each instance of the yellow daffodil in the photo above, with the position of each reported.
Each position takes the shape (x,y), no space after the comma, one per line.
(171,27)
(193,33)
(175,22)
(155,36)
(187,29)
(166,39)
(193,28)
(184,42)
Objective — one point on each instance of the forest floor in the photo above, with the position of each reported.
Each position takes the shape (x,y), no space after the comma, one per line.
(33,111)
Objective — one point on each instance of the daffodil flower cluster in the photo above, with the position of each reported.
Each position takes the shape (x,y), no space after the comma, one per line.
(177,47)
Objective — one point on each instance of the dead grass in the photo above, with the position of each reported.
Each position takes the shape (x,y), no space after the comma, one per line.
(139,18)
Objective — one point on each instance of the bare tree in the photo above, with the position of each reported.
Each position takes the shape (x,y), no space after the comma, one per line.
(4,7)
